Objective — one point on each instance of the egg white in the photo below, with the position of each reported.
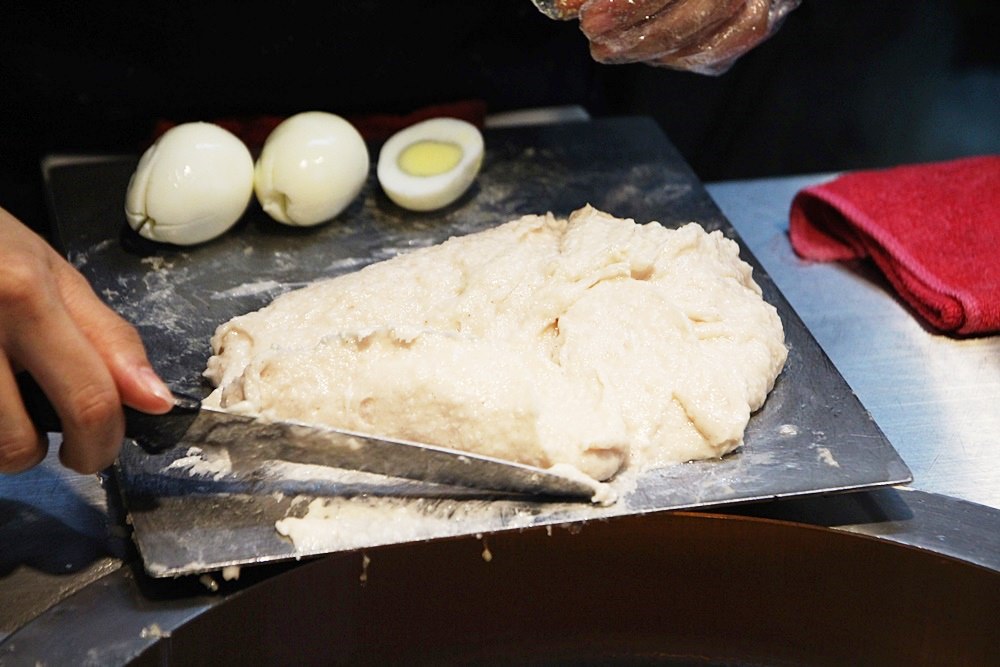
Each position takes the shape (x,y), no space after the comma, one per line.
(190,186)
(428,193)
(311,167)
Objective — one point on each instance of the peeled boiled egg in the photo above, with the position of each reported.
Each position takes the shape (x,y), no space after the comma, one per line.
(430,164)
(312,165)
(190,186)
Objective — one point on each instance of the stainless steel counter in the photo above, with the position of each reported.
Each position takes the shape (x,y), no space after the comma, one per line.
(936,398)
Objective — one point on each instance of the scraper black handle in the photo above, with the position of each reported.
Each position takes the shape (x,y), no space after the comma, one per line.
(154,433)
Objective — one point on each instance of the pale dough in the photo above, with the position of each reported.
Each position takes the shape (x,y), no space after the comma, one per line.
(590,341)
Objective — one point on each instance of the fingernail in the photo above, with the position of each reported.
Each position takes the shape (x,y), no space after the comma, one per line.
(154,385)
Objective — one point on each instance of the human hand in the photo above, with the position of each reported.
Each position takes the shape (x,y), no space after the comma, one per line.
(87,359)
(704,36)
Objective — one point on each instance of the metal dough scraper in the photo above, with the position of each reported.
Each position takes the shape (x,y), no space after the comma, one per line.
(252,442)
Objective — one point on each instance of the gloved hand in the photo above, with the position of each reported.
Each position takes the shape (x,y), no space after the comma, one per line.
(704,36)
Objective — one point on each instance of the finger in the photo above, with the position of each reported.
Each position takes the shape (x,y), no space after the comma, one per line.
(118,344)
(603,17)
(50,347)
(85,397)
(713,54)
(561,10)
(679,26)
(675,27)
(21,446)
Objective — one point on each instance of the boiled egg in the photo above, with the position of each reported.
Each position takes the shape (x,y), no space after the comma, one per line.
(190,186)
(311,167)
(429,165)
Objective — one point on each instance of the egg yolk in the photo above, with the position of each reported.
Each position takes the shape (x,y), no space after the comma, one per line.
(429,158)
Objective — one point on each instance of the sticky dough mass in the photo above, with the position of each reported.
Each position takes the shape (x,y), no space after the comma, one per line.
(590,341)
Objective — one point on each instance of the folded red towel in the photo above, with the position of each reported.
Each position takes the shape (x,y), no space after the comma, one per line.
(933,229)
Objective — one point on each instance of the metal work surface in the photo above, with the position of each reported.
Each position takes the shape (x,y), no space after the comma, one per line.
(936,398)
(798,594)
(66,570)
(812,436)
(56,537)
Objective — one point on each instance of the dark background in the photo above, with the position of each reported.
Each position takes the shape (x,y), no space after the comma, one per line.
(844,84)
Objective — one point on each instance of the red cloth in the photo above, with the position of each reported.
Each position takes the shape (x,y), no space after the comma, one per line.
(932,229)
(253,130)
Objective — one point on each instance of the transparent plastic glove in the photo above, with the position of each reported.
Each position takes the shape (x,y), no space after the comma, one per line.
(704,36)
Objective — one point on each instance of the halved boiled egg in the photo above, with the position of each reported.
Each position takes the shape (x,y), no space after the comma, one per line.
(429,165)
(190,186)
(312,165)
